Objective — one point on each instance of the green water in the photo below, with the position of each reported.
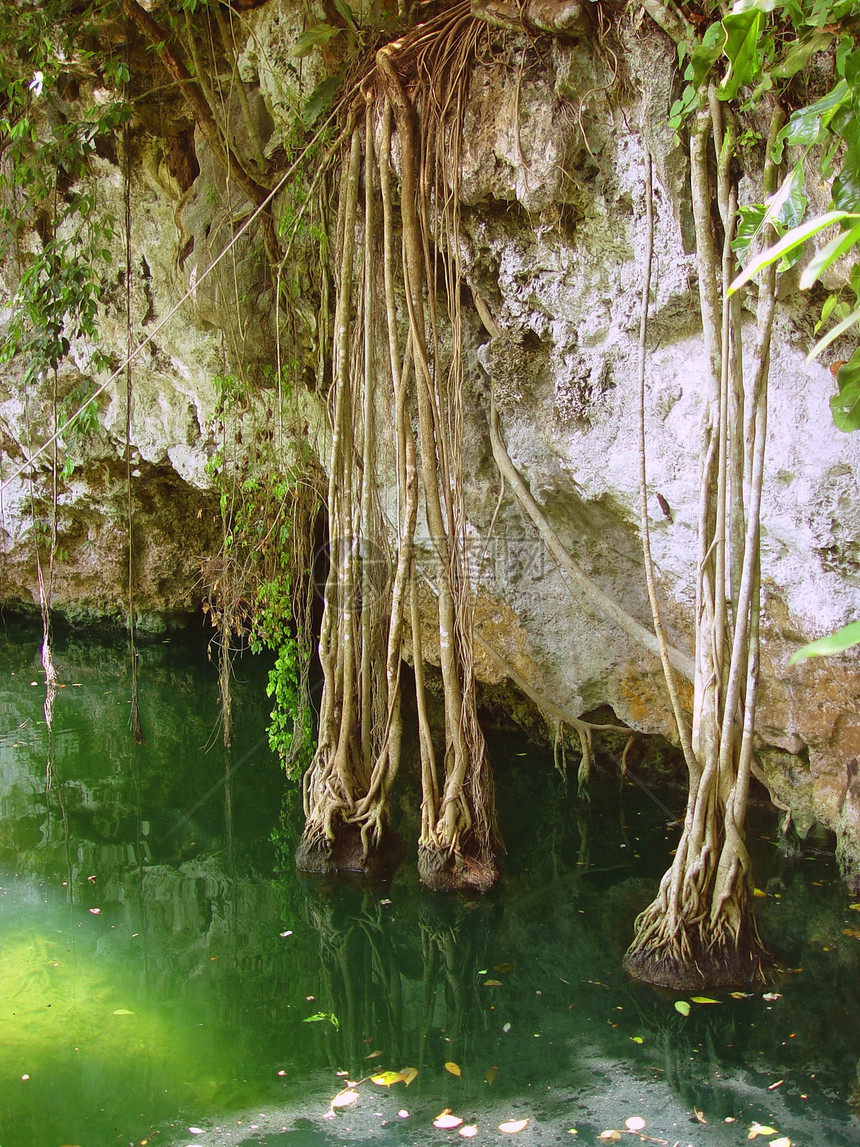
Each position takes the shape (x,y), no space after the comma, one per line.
(159,955)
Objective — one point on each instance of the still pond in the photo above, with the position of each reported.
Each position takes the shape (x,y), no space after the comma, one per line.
(167,978)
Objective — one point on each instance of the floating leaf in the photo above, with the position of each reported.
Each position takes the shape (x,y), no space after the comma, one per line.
(683,1007)
(513,1126)
(122,1012)
(196,1130)
(504,967)
(454,1068)
(610,1136)
(855,932)
(403,1113)
(635,1123)
(446,1121)
(783,1141)
(761,1129)
(409,1074)
(703,1000)
(386,1078)
(492,983)
(468,1130)
(760,893)
(345,1098)
(374,1055)
(854,907)
(772,996)
(637,1039)
(490,1074)
(741,995)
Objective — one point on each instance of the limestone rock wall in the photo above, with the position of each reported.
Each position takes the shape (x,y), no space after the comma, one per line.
(552,193)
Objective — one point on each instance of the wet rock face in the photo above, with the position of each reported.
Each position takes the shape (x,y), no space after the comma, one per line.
(553,241)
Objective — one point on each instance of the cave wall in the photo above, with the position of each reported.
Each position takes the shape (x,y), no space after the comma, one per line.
(553,236)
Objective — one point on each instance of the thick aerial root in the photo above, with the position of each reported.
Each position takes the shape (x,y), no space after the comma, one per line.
(696,955)
(346,853)
(448,870)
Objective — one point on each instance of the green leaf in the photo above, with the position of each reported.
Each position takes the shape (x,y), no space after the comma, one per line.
(807,125)
(799,55)
(703,55)
(834,334)
(683,1007)
(347,13)
(703,1000)
(794,238)
(828,255)
(312,38)
(846,404)
(320,99)
(836,642)
(741,46)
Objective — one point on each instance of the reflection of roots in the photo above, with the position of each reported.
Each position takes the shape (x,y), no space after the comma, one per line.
(444,871)
(346,853)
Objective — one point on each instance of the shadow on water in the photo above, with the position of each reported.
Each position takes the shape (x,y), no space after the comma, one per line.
(164,968)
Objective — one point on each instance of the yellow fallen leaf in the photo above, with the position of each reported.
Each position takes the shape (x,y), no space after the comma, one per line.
(345,1098)
(758,892)
(637,1039)
(446,1121)
(409,1074)
(490,1074)
(741,995)
(386,1078)
(454,1069)
(513,1126)
(492,983)
(610,1136)
(512,967)
(703,1000)
(374,1055)
(683,1007)
(634,1123)
(854,907)
(784,1141)
(468,1131)
(761,1129)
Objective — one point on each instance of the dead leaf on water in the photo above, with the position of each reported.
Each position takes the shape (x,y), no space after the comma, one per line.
(854,907)
(783,1141)
(373,1055)
(703,1000)
(446,1121)
(454,1068)
(345,1098)
(637,1039)
(683,1007)
(758,892)
(700,1115)
(386,1078)
(610,1136)
(772,996)
(761,1129)
(513,967)
(513,1126)
(492,983)
(468,1130)
(741,995)
(635,1123)
(409,1074)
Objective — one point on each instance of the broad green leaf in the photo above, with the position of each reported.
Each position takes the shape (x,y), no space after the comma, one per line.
(783,209)
(741,47)
(703,1000)
(703,55)
(683,1007)
(807,124)
(799,55)
(794,238)
(828,255)
(846,186)
(845,405)
(831,335)
(314,37)
(320,99)
(836,642)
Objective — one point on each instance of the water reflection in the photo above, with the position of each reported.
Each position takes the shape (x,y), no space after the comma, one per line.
(160,959)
